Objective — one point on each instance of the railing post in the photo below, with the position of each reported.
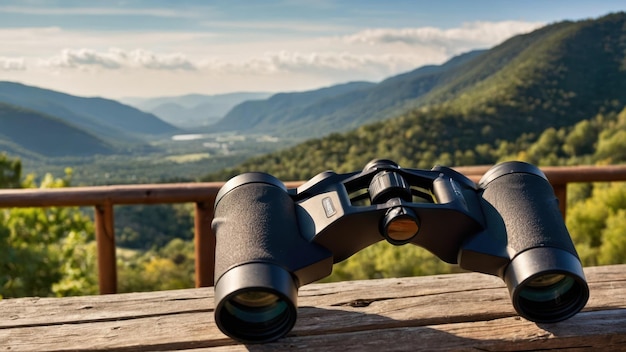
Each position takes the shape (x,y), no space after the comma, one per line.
(105,239)
(560,190)
(204,240)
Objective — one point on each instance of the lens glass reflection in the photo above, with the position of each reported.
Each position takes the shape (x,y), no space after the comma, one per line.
(256,307)
(551,297)
(544,288)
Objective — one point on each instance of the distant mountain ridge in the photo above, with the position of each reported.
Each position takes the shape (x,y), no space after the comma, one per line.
(97,114)
(80,126)
(338,108)
(193,110)
(283,110)
(27,132)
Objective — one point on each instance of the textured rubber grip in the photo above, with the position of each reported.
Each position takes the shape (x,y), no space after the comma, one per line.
(530,211)
(254,222)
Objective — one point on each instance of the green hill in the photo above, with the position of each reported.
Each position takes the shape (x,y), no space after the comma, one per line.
(341,107)
(520,94)
(284,112)
(24,132)
(106,118)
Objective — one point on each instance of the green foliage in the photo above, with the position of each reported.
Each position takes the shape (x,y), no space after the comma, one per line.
(598,224)
(45,251)
(78,263)
(167,268)
(10,172)
(51,251)
(580,140)
(383,260)
(148,226)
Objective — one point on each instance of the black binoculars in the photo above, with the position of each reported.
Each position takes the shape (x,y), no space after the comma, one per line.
(271,240)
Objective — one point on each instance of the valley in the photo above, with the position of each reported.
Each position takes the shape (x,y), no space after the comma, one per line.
(176,158)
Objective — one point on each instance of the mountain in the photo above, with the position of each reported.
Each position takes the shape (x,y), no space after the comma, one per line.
(193,110)
(287,113)
(27,132)
(105,118)
(563,83)
(342,107)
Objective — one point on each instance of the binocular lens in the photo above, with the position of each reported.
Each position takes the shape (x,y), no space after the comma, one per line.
(256,307)
(256,302)
(551,297)
(256,315)
(547,285)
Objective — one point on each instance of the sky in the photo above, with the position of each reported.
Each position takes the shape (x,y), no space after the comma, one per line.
(141,48)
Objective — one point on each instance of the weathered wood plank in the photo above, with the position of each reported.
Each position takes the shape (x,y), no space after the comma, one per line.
(601,330)
(589,331)
(25,312)
(459,310)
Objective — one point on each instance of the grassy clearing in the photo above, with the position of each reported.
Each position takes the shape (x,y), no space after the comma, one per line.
(188,158)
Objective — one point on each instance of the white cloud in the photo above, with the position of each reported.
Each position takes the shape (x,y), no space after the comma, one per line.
(267,64)
(12,64)
(83,58)
(147,59)
(88,59)
(204,61)
(453,40)
(326,63)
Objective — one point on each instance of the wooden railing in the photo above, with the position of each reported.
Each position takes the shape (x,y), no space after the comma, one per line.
(103,198)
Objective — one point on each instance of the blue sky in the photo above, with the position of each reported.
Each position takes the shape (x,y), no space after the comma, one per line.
(155,48)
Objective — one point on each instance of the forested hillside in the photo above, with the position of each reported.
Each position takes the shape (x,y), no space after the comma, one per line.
(341,107)
(535,88)
(281,110)
(51,137)
(97,115)
(72,126)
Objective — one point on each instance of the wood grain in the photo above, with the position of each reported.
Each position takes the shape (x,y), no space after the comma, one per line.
(432,313)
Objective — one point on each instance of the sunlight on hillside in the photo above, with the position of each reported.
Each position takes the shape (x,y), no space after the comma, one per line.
(551,96)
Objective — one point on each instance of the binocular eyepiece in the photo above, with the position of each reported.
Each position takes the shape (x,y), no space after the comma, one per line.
(271,240)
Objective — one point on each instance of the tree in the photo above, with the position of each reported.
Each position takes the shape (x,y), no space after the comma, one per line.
(10,172)
(383,260)
(167,268)
(581,139)
(612,146)
(613,248)
(597,225)
(45,251)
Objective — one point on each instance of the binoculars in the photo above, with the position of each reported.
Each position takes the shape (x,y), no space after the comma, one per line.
(271,240)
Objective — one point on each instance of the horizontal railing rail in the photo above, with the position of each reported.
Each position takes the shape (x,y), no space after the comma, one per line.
(203,194)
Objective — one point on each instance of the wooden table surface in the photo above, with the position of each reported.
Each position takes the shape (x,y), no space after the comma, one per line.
(432,313)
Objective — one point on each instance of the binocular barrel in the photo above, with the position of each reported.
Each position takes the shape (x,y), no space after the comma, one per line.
(545,277)
(270,240)
(261,259)
(256,296)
